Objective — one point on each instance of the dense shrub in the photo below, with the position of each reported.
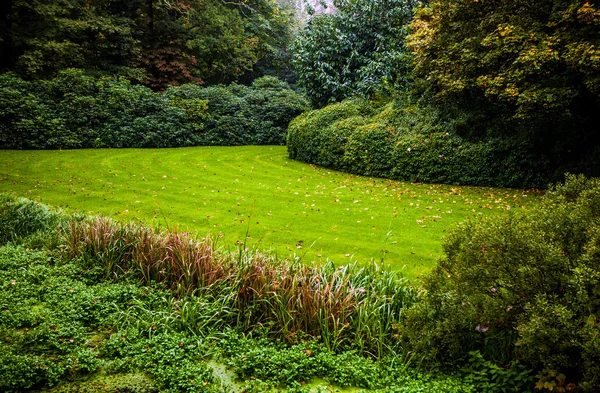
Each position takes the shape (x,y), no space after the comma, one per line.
(75,110)
(356,50)
(239,115)
(408,142)
(522,287)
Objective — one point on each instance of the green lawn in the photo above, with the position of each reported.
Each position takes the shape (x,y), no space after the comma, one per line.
(282,205)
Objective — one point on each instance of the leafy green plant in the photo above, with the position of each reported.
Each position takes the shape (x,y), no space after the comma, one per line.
(488,377)
(522,287)
(76,110)
(355,51)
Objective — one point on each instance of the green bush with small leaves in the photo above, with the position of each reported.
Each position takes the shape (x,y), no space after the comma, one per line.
(523,287)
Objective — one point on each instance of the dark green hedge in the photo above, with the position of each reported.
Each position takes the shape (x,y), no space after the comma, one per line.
(407,143)
(75,110)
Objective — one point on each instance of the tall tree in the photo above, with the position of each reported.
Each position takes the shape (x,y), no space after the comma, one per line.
(156,42)
(163,55)
(532,68)
(353,50)
(540,58)
(44,36)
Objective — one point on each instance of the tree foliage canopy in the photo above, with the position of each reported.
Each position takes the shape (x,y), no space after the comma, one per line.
(541,58)
(157,42)
(352,51)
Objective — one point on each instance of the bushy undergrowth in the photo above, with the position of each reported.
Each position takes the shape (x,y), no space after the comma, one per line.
(405,141)
(65,328)
(515,296)
(75,110)
(521,288)
(344,307)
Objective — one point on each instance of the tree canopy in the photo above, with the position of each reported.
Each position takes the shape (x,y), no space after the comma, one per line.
(157,42)
(541,59)
(516,69)
(352,51)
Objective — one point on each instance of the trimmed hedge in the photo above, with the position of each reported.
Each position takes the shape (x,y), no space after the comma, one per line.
(75,110)
(408,143)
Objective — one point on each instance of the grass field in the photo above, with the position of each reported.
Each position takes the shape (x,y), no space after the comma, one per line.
(256,196)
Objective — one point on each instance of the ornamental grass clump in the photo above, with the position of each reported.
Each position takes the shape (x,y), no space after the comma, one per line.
(174,258)
(27,222)
(346,307)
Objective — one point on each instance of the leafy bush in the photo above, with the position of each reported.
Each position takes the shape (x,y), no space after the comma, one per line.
(75,110)
(408,142)
(312,137)
(522,287)
(354,51)
(239,115)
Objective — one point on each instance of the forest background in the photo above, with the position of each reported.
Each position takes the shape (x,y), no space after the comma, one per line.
(489,93)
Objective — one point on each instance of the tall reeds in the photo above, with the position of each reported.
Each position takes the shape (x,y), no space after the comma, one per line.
(346,307)
(174,258)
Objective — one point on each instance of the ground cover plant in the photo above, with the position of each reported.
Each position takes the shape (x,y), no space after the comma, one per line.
(69,324)
(256,197)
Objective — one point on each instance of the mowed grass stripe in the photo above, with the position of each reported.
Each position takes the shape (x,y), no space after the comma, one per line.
(284,206)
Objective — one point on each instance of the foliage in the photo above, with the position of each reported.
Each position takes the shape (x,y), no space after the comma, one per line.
(523,287)
(265,365)
(43,37)
(352,51)
(488,377)
(160,43)
(75,110)
(47,317)
(28,222)
(345,308)
(507,52)
(515,69)
(238,115)
(410,142)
